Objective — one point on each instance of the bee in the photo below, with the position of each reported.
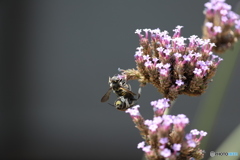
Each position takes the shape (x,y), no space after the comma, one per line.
(123,103)
(119,87)
(125,97)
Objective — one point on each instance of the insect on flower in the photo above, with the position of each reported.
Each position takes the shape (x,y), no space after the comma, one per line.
(123,91)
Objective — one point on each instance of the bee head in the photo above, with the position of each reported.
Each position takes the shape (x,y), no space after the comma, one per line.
(114,81)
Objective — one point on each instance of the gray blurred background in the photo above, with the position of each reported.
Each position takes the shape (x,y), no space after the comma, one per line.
(56,57)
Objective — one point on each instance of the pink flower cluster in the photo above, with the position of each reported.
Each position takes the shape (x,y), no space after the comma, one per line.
(226,15)
(222,25)
(173,66)
(164,134)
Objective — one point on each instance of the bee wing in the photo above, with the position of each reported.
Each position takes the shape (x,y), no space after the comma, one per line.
(127,90)
(106,95)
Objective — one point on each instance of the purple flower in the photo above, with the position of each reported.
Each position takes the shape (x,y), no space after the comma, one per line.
(163,72)
(133,111)
(197,71)
(160,49)
(162,147)
(138,31)
(138,53)
(157,120)
(179,82)
(139,48)
(208,24)
(163,140)
(201,63)
(156,31)
(159,65)
(217,29)
(148,122)
(202,133)
(180,122)
(160,106)
(192,38)
(141,145)
(198,55)
(167,51)
(146,32)
(183,118)
(189,136)
(166,153)
(191,143)
(186,57)
(148,64)
(153,127)
(153,103)
(161,103)
(155,60)
(176,147)
(177,55)
(194,132)
(167,120)
(166,66)
(177,31)
(219,60)
(204,67)
(146,149)
(146,57)
(179,41)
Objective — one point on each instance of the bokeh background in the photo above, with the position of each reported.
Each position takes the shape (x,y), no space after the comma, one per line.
(56,57)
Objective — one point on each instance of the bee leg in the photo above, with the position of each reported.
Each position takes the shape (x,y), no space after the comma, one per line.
(132,104)
(127,103)
(139,92)
(129,87)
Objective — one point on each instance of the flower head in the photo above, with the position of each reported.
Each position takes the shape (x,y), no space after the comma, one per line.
(172,65)
(221,25)
(164,135)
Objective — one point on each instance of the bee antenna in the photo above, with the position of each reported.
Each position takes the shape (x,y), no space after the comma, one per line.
(111,104)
